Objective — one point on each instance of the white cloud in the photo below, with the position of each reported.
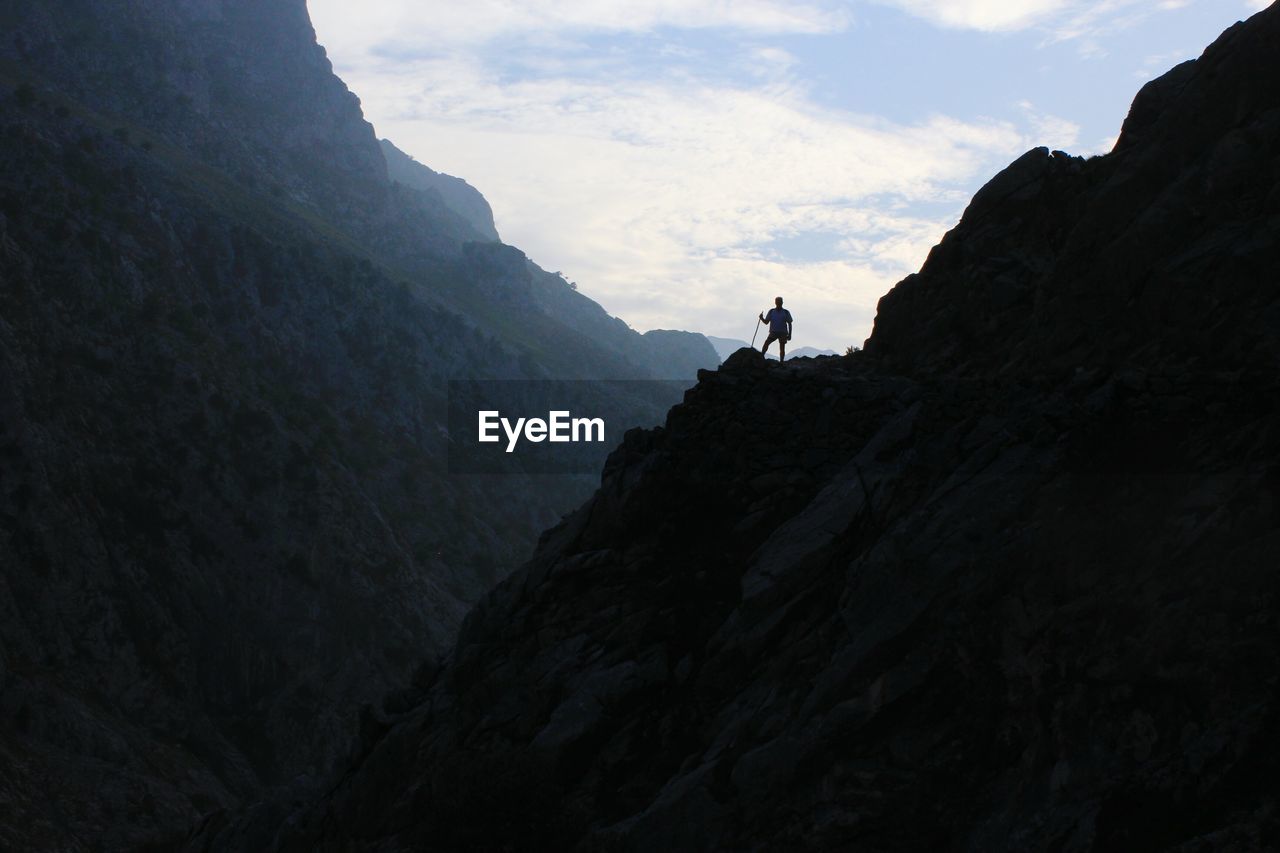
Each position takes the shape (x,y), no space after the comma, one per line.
(1064,20)
(1157,64)
(1093,23)
(1103,146)
(658,197)
(415,24)
(680,197)
(987,15)
(1049,130)
(399,26)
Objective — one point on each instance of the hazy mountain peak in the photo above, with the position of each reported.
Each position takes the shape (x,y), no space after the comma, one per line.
(461,197)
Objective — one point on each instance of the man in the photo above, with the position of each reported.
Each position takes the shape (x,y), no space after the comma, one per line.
(779,320)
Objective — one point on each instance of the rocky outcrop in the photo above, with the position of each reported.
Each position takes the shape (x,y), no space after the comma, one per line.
(829,609)
(1002,581)
(1158,252)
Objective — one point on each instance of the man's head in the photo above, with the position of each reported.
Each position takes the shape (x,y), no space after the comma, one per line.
(778,301)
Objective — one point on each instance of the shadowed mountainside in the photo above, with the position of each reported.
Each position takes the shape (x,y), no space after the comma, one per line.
(226,521)
(1003,581)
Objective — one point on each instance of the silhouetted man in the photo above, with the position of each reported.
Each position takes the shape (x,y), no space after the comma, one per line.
(779,320)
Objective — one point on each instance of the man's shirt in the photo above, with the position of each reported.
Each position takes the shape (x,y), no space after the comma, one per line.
(778,318)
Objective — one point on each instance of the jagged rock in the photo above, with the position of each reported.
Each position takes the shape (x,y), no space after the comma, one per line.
(1148,254)
(746,358)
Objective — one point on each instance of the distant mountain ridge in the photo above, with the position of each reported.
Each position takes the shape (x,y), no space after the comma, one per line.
(687,352)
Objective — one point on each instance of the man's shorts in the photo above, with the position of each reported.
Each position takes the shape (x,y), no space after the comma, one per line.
(781,336)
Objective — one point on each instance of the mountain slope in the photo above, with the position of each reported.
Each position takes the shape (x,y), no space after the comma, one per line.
(226,517)
(1003,581)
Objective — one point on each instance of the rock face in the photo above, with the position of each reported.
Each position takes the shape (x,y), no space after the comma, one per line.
(225,517)
(459,196)
(1003,581)
(1162,251)
(240,84)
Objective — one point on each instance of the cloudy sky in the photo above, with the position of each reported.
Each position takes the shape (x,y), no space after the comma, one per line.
(684,161)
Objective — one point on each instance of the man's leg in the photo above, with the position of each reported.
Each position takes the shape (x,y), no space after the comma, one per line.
(782,349)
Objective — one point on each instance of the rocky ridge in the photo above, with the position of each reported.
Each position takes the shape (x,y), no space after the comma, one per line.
(1003,581)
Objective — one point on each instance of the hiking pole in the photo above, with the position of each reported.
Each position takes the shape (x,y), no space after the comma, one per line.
(756,332)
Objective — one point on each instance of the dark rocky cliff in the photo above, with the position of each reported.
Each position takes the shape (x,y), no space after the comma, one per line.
(1162,251)
(225,518)
(1004,581)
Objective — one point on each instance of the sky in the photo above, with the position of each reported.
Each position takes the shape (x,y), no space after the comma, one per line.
(686,161)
